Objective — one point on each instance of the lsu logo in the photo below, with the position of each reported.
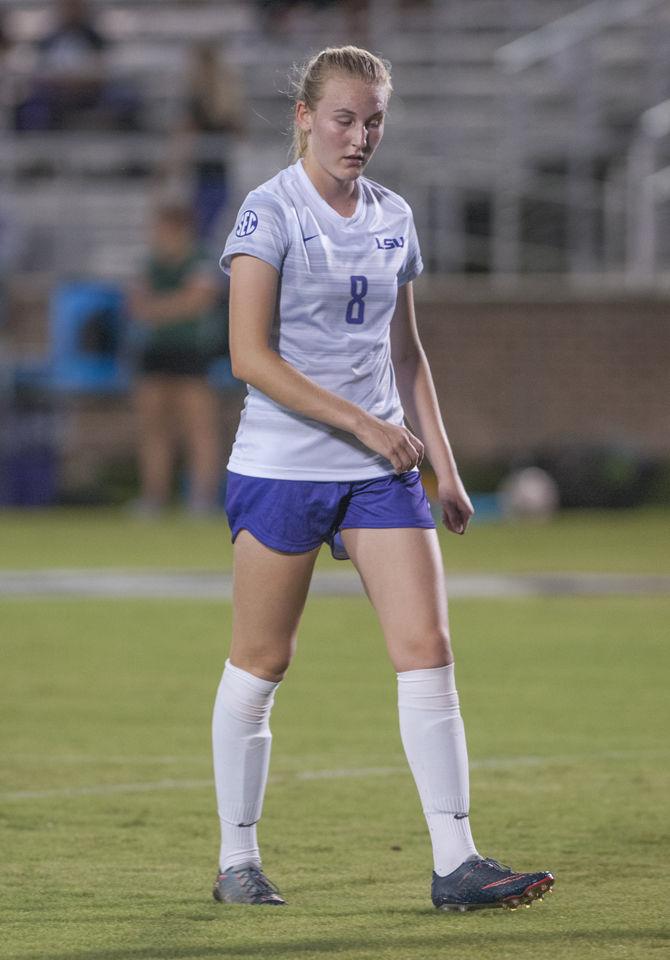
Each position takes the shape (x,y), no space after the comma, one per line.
(389,243)
(246,224)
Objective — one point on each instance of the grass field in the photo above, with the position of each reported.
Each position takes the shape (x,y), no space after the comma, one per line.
(108,830)
(633,541)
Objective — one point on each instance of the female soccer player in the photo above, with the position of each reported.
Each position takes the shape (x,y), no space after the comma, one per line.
(322,329)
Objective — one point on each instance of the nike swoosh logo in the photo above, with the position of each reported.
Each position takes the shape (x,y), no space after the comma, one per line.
(312,237)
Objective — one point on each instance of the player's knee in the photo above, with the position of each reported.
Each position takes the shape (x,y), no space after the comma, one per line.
(424,650)
(268,665)
(276,668)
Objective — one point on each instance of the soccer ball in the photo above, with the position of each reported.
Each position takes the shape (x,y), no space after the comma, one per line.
(529,493)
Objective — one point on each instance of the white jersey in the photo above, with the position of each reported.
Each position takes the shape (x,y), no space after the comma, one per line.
(339,278)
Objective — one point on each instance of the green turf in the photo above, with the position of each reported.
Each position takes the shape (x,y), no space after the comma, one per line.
(634,541)
(565,703)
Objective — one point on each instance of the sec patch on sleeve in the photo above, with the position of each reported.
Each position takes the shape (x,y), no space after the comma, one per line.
(246,224)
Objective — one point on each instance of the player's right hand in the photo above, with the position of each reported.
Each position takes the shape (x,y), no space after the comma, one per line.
(396,443)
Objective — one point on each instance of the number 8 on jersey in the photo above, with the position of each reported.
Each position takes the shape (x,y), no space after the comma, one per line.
(356,306)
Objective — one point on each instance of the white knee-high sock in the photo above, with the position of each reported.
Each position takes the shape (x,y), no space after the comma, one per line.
(241,742)
(434,740)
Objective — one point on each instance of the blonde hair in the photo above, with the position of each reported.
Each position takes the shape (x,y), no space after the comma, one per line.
(348,61)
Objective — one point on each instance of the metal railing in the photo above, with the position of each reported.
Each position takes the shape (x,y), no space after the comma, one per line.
(559,37)
(606,224)
(648,186)
(567,48)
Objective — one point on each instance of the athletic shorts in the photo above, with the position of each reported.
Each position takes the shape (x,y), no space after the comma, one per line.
(295,516)
(174,363)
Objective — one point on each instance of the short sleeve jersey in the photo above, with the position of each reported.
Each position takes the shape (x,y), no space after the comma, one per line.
(339,278)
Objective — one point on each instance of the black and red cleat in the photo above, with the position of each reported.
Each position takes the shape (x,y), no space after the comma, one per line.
(481,882)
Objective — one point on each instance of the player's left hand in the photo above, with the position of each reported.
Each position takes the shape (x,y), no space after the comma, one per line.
(456,505)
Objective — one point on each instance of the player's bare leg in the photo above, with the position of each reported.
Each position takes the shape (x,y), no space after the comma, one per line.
(402,573)
(269,593)
(403,576)
(200,422)
(155,438)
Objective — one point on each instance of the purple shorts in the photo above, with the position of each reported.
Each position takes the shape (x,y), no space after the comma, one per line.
(295,516)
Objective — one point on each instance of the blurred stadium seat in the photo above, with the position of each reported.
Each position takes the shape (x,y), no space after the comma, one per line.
(88,333)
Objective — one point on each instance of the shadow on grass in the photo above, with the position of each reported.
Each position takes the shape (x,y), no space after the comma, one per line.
(338,945)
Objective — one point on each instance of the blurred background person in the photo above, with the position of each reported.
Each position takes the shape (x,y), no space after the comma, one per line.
(71,87)
(5,41)
(176,305)
(283,17)
(214,105)
(6,80)
(211,117)
(9,247)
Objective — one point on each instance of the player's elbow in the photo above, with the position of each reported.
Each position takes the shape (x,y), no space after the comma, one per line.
(409,358)
(238,366)
(247,363)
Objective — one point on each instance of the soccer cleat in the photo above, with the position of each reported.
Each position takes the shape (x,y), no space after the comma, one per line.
(246,883)
(481,882)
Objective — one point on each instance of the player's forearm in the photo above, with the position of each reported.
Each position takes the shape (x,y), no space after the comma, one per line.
(422,409)
(163,309)
(280,381)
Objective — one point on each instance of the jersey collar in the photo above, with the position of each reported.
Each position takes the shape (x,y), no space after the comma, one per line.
(324,206)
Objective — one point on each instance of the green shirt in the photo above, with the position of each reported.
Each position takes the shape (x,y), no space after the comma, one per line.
(204,332)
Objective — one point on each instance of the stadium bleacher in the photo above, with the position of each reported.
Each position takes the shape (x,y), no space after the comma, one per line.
(516,132)
(561,117)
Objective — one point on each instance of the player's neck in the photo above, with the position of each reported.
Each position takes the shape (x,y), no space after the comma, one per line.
(341,195)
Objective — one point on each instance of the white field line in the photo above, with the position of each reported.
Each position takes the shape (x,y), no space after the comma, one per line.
(107,789)
(211,585)
(353,773)
(81,759)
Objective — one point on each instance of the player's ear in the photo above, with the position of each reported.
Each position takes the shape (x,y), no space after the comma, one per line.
(303,116)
